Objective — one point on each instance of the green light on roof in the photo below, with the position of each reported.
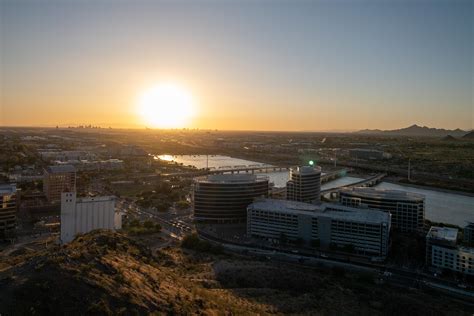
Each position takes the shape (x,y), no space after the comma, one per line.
(311,162)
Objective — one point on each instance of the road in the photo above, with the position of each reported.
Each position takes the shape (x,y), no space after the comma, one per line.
(395,276)
(176,224)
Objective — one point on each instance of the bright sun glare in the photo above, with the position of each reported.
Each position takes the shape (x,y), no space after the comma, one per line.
(166,106)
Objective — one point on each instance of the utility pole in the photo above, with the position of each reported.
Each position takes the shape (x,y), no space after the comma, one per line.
(207,161)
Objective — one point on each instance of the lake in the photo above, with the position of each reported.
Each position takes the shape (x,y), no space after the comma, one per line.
(441,206)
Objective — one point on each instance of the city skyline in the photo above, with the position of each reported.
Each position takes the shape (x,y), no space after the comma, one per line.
(309,66)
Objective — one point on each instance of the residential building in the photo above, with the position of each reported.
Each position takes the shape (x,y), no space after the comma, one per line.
(81,215)
(225,197)
(332,226)
(58,179)
(8,208)
(407,209)
(304,184)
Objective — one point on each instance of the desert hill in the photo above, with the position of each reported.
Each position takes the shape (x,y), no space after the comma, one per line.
(105,273)
(449,138)
(469,135)
(415,131)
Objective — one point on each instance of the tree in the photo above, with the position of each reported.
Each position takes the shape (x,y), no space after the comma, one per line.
(148,224)
(134,223)
(182,204)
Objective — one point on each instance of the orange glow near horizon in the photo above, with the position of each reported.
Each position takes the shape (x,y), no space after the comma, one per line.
(166,105)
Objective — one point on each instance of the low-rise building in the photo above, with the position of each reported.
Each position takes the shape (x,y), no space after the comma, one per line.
(442,251)
(458,259)
(93,165)
(332,226)
(440,236)
(8,208)
(407,208)
(82,215)
(58,179)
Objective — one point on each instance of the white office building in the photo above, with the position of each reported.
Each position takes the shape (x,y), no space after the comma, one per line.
(82,215)
(407,208)
(331,225)
(442,251)
(459,259)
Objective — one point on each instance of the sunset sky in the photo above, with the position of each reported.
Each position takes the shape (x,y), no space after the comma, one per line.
(248,65)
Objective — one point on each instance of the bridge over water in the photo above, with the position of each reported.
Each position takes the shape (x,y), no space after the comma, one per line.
(256,168)
(259,168)
(334,192)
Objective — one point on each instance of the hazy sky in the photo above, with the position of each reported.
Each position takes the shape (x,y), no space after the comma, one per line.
(260,65)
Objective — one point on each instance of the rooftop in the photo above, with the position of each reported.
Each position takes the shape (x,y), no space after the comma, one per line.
(60,169)
(443,233)
(96,199)
(466,249)
(232,178)
(285,206)
(306,169)
(326,210)
(383,194)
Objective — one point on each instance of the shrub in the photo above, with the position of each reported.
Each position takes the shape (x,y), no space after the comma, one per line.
(181,205)
(148,227)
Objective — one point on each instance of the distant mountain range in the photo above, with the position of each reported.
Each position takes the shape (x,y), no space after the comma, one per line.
(469,135)
(416,130)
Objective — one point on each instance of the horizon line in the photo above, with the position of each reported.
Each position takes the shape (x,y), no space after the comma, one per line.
(335,131)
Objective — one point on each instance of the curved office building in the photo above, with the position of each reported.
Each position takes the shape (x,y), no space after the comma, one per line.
(225,197)
(407,208)
(304,184)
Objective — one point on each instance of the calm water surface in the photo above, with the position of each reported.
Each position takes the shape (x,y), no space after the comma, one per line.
(441,206)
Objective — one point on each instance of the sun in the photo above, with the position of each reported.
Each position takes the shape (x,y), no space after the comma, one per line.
(166,106)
